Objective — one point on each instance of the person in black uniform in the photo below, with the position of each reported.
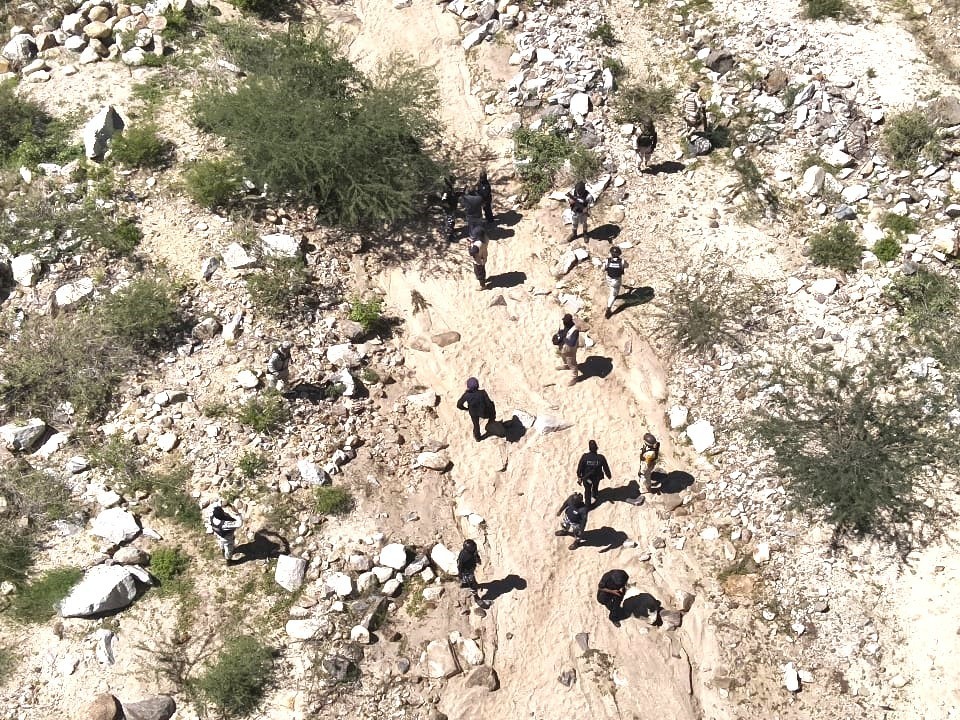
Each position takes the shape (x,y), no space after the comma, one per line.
(476,402)
(573,519)
(450,199)
(486,192)
(590,471)
(610,591)
(467,562)
(472,203)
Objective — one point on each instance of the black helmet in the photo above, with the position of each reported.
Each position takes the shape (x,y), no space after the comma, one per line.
(578,500)
(649,439)
(580,188)
(615,251)
(470,544)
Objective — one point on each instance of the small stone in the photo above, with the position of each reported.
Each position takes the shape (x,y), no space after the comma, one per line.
(247,379)
(791,681)
(762,553)
(167,441)
(678,416)
(445,338)
(360,634)
(825,286)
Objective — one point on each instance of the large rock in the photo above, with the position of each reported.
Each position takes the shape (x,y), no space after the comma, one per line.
(115,525)
(813,178)
(720,61)
(548,424)
(439,461)
(160,707)
(394,556)
(103,588)
(484,676)
(444,559)
(281,245)
(944,240)
(439,660)
(236,257)
(98,131)
(445,338)
(131,555)
(341,584)
(343,355)
(72,294)
(427,399)
(579,104)
(290,571)
(701,435)
(312,475)
(854,193)
(945,111)
(97,30)
(20,50)
(22,436)
(103,707)
(304,629)
(25,269)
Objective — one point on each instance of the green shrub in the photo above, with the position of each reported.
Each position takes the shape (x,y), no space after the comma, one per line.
(122,239)
(369,376)
(155,89)
(837,248)
(899,225)
(636,102)
(369,313)
(29,494)
(36,602)
(8,664)
(28,134)
(604,33)
(141,147)
(887,248)
(167,564)
(283,287)
(330,500)
(925,300)
(145,315)
(235,683)
(252,464)
(820,9)
(333,390)
(119,457)
(541,155)
(356,147)
(266,9)
(213,183)
(216,410)
(908,135)
(615,66)
(266,413)
(857,443)
(170,497)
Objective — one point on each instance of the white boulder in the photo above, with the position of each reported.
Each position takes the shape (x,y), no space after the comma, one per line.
(102,589)
(393,556)
(701,435)
(290,571)
(115,525)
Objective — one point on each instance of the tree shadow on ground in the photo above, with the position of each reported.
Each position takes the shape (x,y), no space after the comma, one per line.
(607,231)
(511,430)
(507,279)
(603,537)
(595,366)
(266,544)
(629,493)
(672,482)
(632,297)
(495,588)
(640,606)
(668,166)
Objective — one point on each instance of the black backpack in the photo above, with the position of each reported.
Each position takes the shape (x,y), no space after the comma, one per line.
(558,336)
(615,267)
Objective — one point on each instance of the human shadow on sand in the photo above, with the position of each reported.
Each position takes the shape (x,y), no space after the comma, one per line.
(629,493)
(607,231)
(265,544)
(596,366)
(668,166)
(672,482)
(603,537)
(506,280)
(495,588)
(511,430)
(632,297)
(640,606)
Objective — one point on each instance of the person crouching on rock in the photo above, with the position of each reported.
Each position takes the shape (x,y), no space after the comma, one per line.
(573,519)
(610,592)
(476,402)
(467,562)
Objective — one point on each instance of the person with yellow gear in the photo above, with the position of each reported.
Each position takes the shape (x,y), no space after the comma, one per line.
(649,455)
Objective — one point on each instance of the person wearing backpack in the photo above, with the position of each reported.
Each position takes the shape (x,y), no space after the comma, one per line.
(467,562)
(567,339)
(614,268)
(486,192)
(610,591)
(472,209)
(478,254)
(580,201)
(224,527)
(278,367)
(648,457)
(645,143)
(479,405)
(573,519)
(591,469)
(450,199)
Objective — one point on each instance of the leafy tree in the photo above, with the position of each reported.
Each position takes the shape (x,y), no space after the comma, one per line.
(310,126)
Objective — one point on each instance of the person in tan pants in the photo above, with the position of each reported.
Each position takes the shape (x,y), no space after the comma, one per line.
(569,337)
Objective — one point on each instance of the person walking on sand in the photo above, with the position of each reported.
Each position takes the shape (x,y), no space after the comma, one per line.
(694,111)
(224,528)
(614,268)
(573,519)
(472,209)
(486,192)
(590,471)
(479,405)
(580,201)
(567,340)
(478,255)
(649,455)
(645,143)
(450,200)
(278,367)
(610,592)
(467,562)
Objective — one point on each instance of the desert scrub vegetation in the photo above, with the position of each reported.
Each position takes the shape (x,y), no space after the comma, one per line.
(252,465)
(282,288)
(708,304)
(8,663)
(29,135)
(909,135)
(822,9)
(141,147)
(168,565)
(604,34)
(36,601)
(236,681)
(266,413)
(331,500)
(653,100)
(358,147)
(836,247)
(31,494)
(861,446)
(543,154)
(98,343)
(369,313)
(924,301)
(887,248)
(213,182)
